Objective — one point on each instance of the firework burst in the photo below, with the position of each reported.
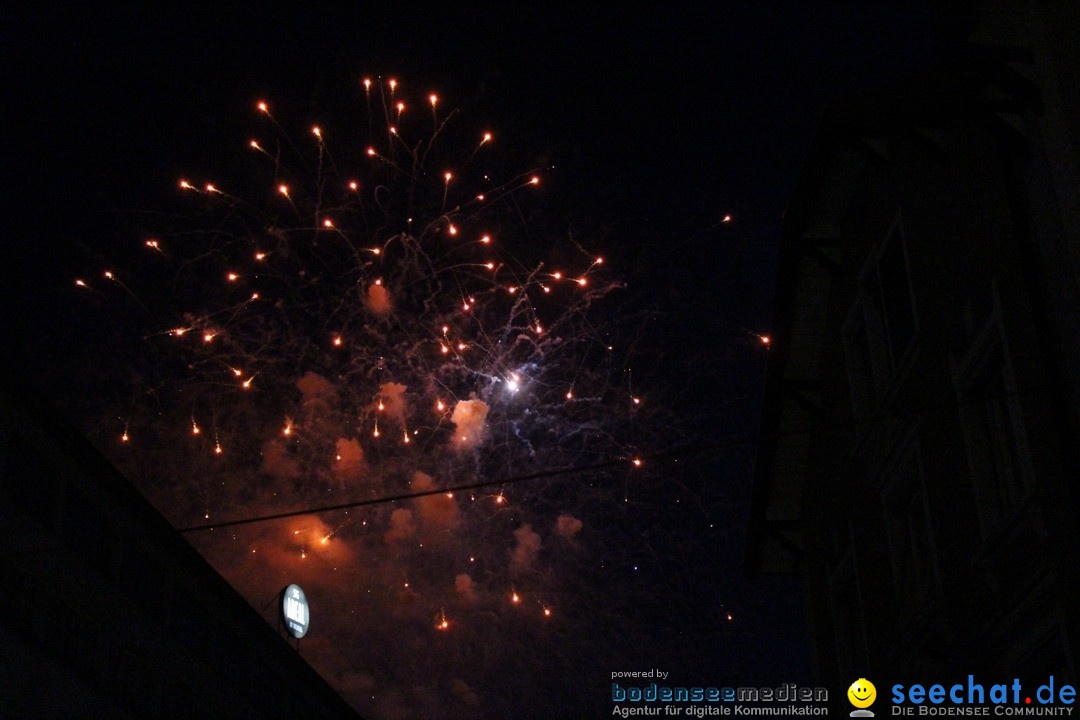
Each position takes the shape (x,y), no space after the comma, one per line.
(372,315)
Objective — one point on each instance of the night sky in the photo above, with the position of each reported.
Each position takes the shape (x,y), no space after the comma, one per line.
(650,127)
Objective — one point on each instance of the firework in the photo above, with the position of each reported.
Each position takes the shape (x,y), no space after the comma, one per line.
(370,315)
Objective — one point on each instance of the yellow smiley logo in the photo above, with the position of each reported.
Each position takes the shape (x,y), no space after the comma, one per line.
(862,693)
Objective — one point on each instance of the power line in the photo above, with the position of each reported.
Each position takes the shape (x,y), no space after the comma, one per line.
(474,486)
(883,415)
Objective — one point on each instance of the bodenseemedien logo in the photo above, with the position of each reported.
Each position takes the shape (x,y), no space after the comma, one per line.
(708,701)
(862,694)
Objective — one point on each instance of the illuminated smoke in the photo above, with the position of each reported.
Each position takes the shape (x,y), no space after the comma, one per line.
(401,526)
(349,460)
(438,514)
(464,586)
(392,396)
(567,526)
(377,300)
(464,693)
(468,419)
(526,547)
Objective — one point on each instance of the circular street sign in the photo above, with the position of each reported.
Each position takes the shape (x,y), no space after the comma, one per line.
(294,611)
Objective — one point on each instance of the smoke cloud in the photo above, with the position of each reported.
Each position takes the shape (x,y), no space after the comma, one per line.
(468,418)
(525,549)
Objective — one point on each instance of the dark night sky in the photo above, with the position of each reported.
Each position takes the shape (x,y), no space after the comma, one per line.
(658,121)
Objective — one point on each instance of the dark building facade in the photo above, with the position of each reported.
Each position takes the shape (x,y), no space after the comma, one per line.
(106,611)
(921,417)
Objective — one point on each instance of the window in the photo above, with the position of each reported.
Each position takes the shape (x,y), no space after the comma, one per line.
(908,528)
(846,605)
(881,325)
(993,424)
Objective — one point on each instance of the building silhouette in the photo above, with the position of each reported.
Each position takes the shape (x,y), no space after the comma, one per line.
(920,423)
(105,611)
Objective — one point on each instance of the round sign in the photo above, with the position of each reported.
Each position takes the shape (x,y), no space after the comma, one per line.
(294,611)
